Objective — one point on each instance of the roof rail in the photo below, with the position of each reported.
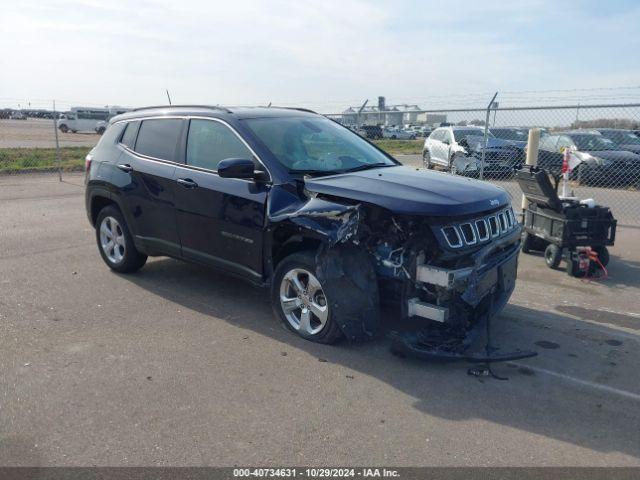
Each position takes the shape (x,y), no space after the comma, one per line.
(292,108)
(217,107)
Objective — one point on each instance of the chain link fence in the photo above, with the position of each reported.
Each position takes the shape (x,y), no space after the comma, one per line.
(490,143)
(32,142)
(486,143)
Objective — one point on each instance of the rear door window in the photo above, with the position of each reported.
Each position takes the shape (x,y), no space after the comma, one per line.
(158,138)
(209,142)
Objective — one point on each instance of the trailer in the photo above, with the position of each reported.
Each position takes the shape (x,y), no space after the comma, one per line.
(564,228)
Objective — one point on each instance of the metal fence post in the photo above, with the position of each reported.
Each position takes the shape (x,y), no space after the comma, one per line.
(55,131)
(486,135)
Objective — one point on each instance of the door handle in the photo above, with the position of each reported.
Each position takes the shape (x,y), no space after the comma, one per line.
(187,183)
(125,167)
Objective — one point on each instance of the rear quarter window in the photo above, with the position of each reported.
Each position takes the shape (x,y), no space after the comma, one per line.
(158,138)
(129,137)
(111,135)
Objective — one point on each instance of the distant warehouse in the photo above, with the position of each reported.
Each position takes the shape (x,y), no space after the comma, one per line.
(383,114)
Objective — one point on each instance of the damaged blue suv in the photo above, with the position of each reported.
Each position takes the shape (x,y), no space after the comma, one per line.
(289,199)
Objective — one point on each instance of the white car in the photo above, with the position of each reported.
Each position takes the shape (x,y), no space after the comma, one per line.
(396,133)
(443,148)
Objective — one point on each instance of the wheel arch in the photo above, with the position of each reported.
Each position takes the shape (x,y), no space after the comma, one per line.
(98,202)
(285,239)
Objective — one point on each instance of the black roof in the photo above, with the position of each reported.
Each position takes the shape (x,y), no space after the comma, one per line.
(212,111)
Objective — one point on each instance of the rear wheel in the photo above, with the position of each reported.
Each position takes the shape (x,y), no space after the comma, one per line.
(526,242)
(426,159)
(116,243)
(552,255)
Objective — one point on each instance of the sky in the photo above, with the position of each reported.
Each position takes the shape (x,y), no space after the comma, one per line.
(321,54)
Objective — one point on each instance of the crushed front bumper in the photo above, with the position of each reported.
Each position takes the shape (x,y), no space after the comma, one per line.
(485,288)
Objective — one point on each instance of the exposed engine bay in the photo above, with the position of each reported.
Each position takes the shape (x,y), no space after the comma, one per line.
(452,273)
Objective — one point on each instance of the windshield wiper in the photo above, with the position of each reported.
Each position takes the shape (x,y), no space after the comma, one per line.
(337,171)
(367,166)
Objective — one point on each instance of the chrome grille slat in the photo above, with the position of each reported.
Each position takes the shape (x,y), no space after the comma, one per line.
(485,225)
(494,225)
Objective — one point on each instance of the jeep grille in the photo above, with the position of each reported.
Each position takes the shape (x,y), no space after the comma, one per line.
(479,230)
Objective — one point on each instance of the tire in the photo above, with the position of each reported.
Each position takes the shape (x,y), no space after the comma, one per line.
(552,255)
(526,242)
(115,242)
(426,160)
(64,128)
(101,130)
(320,327)
(603,254)
(74,131)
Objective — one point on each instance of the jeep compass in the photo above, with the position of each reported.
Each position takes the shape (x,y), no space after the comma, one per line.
(293,201)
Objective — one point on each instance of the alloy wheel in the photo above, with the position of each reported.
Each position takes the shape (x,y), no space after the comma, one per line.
(303,301)
(112,239)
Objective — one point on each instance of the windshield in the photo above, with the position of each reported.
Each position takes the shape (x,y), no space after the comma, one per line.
(511,134)
(622,138)
(316,145)
(461,134)
(593,142)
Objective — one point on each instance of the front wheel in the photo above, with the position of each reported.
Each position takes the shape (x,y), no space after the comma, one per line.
(300,302)
(116,243)
(64,128)
(552,255)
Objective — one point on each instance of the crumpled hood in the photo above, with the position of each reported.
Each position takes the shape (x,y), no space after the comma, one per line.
(476,143)
(613,155)
(411,191)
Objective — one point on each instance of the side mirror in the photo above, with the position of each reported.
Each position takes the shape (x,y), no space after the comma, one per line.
(236,168)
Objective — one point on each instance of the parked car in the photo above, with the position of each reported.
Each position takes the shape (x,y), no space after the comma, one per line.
(604,162)
(396,133)
(419,131)
(373,132)
(459,150)
(517,135)
(290,200)
(624,139)
(17,115)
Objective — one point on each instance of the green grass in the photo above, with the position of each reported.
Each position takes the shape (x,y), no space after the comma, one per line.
(14,160)
(41,159)
(403,147)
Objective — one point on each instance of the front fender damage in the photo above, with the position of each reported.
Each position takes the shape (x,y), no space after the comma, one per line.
(331,221)
(345,269)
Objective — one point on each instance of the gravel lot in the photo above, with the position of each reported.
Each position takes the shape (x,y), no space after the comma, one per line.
(178,365)
(39,133)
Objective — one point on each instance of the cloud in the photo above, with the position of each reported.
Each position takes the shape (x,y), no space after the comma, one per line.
(322,54)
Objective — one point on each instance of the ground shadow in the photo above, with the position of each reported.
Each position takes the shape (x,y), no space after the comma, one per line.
(528,402)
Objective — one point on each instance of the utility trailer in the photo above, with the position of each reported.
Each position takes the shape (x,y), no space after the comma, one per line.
(564,227)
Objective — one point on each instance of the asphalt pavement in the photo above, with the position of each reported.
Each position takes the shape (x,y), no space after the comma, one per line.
(179,365)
